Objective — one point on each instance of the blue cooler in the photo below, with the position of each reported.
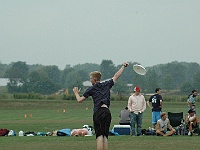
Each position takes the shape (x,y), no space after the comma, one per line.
(122,129)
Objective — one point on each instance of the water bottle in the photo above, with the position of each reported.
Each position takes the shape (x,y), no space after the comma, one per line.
(21,133)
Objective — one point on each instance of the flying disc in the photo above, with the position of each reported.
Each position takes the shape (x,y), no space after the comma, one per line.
(139,69)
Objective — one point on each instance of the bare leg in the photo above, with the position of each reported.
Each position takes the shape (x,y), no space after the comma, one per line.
(105,143)
(170,132)
(159,132)
(190,126)
(100,143)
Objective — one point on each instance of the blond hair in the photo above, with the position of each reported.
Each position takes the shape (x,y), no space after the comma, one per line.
(96,75)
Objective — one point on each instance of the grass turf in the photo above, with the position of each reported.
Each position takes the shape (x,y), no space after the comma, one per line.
(53,115)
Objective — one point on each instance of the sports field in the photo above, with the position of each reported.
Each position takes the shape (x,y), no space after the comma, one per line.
(50,115)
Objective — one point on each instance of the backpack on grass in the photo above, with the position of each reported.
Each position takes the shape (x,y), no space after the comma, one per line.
(4,132)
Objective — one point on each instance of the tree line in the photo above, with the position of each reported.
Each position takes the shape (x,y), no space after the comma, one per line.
(181,77)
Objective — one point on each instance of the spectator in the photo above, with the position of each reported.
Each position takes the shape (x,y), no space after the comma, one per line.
(156,106)
(191,121)
(124,117)
(163,126)
(191,101)
(136,106)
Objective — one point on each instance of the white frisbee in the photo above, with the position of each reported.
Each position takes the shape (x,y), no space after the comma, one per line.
(139,69)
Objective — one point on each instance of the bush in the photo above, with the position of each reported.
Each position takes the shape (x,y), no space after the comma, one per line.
(28,96)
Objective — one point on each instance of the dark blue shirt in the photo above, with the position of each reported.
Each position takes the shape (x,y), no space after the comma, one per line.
(100,93)
(155,100)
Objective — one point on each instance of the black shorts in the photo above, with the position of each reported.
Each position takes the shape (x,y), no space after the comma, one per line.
(102,120)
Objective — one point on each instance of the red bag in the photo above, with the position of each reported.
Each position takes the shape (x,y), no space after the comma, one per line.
(4,132)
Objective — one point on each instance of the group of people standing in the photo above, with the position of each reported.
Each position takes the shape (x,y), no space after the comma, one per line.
(132,115)
(136,107)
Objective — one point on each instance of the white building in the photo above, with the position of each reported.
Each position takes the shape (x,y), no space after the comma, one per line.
(4,81)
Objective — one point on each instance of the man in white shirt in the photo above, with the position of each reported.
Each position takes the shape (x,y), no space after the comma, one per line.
(136,106)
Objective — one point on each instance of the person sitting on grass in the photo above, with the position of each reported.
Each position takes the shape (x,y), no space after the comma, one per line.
(163,126)
(191,121)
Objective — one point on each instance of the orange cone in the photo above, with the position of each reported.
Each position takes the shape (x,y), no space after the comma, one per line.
(31,115)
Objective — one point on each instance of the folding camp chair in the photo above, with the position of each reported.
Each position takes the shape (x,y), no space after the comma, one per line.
(196,130)
(177,122)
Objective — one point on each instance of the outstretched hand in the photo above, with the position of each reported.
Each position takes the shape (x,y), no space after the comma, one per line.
(76,90)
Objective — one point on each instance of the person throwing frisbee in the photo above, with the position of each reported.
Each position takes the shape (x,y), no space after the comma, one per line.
(100,92)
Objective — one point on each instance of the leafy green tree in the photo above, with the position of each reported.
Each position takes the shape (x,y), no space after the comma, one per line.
(87,67)
(176,71)
(151,81)
(3,68)
(64,75)
(75,78)
(186,88)
(41,83)
(120,87)
(53,73)
(168,83)
(196,81)
(107,69)
(17,75)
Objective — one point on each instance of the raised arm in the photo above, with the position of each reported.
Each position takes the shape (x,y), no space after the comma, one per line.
(119,72)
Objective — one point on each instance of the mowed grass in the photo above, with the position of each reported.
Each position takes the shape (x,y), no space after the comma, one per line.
(50,115)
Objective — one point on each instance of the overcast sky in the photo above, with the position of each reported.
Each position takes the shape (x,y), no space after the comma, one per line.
(60,32)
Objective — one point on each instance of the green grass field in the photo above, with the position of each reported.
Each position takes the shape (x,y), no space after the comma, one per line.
(49,116)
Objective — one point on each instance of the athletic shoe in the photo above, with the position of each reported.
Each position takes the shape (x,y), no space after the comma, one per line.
(189,133)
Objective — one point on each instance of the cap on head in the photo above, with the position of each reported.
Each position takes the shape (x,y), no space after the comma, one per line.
(191,111)
(136,89)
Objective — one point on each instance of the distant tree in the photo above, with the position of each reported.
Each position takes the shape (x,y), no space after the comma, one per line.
(168,83)
(3,68)
(107,69)
(53,73)
(176,71)
(17,75)
(64,75)
(151,81)
(41,83)
(196,81)
(120,88)
(186,88)
(87,67)
(35,67)
(75,78)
